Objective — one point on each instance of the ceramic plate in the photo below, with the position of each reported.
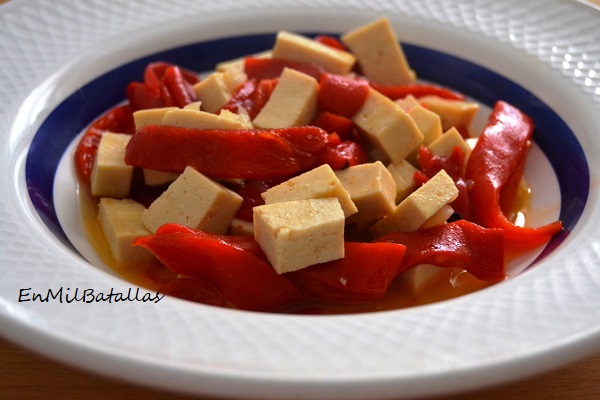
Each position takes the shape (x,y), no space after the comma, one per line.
(64,63)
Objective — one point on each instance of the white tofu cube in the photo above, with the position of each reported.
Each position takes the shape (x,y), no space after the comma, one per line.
(194,105)
(187,118)
(379,54)
(297,234)
(428,122)
(158,178)
(292,103)
(111,177)
(196,201)
(121,223)
(420,277)
(388,127)
(403,174)
(150,116)
(408,102)
(294,47)
(372,189)
(419,206)
(317,183)
(445,144)
(453,113)
(241,227)
(216,90)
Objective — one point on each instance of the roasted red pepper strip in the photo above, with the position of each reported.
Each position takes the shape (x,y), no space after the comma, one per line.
(461,244)
(155,72)
(141,97)
(330,41)
(498,155)
(364,274)
(247,154)
(417,90)
(177,88)
(333,123)
(345,154)
(119,119)
(252,95)
(245,243)
(341,95)
(193,290)
(251,191)
(245,281)
(269,68)
(164,85)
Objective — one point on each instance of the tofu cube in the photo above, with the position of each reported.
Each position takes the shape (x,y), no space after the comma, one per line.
(444,145)
(379,54)
(387,127)
(420,277)
(372,189)
(408,102)
(241,227)
(194,105)
(158,178)
(403,174)
(196,201)
(111,177)
(428,122)
(297,234)
(294,47)
(419,206)
(187,118)
(453,113)
(317,183)
(121,223)
(216,90)
(292,103)
(150,116)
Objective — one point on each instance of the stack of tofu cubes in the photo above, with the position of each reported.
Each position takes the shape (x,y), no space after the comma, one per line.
(303,219)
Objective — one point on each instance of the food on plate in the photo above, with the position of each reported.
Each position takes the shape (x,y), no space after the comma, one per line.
(317,177)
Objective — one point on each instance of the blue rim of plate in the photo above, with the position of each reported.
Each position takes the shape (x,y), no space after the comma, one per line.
(71,116)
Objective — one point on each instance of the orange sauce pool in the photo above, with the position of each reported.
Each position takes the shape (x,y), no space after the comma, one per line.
(444,284)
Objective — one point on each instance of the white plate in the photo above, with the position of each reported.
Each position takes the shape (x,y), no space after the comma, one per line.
(543,318)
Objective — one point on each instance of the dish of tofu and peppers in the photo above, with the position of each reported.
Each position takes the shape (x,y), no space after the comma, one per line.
(317,177)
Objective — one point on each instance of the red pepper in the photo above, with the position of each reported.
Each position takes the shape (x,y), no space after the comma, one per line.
(330,41)
(193,290)
(345,154)
(141,97)
(270,68)
(460,244)
(333,123)
(498,157)
(155,72)
(164,85)
(119,119)
(247,154)
(177,91)
(252,95)
(251,191)
(364,274)
(417,90)
(341,95)
(245,281)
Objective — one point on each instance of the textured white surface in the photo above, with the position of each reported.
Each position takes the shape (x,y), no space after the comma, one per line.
(545,317)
